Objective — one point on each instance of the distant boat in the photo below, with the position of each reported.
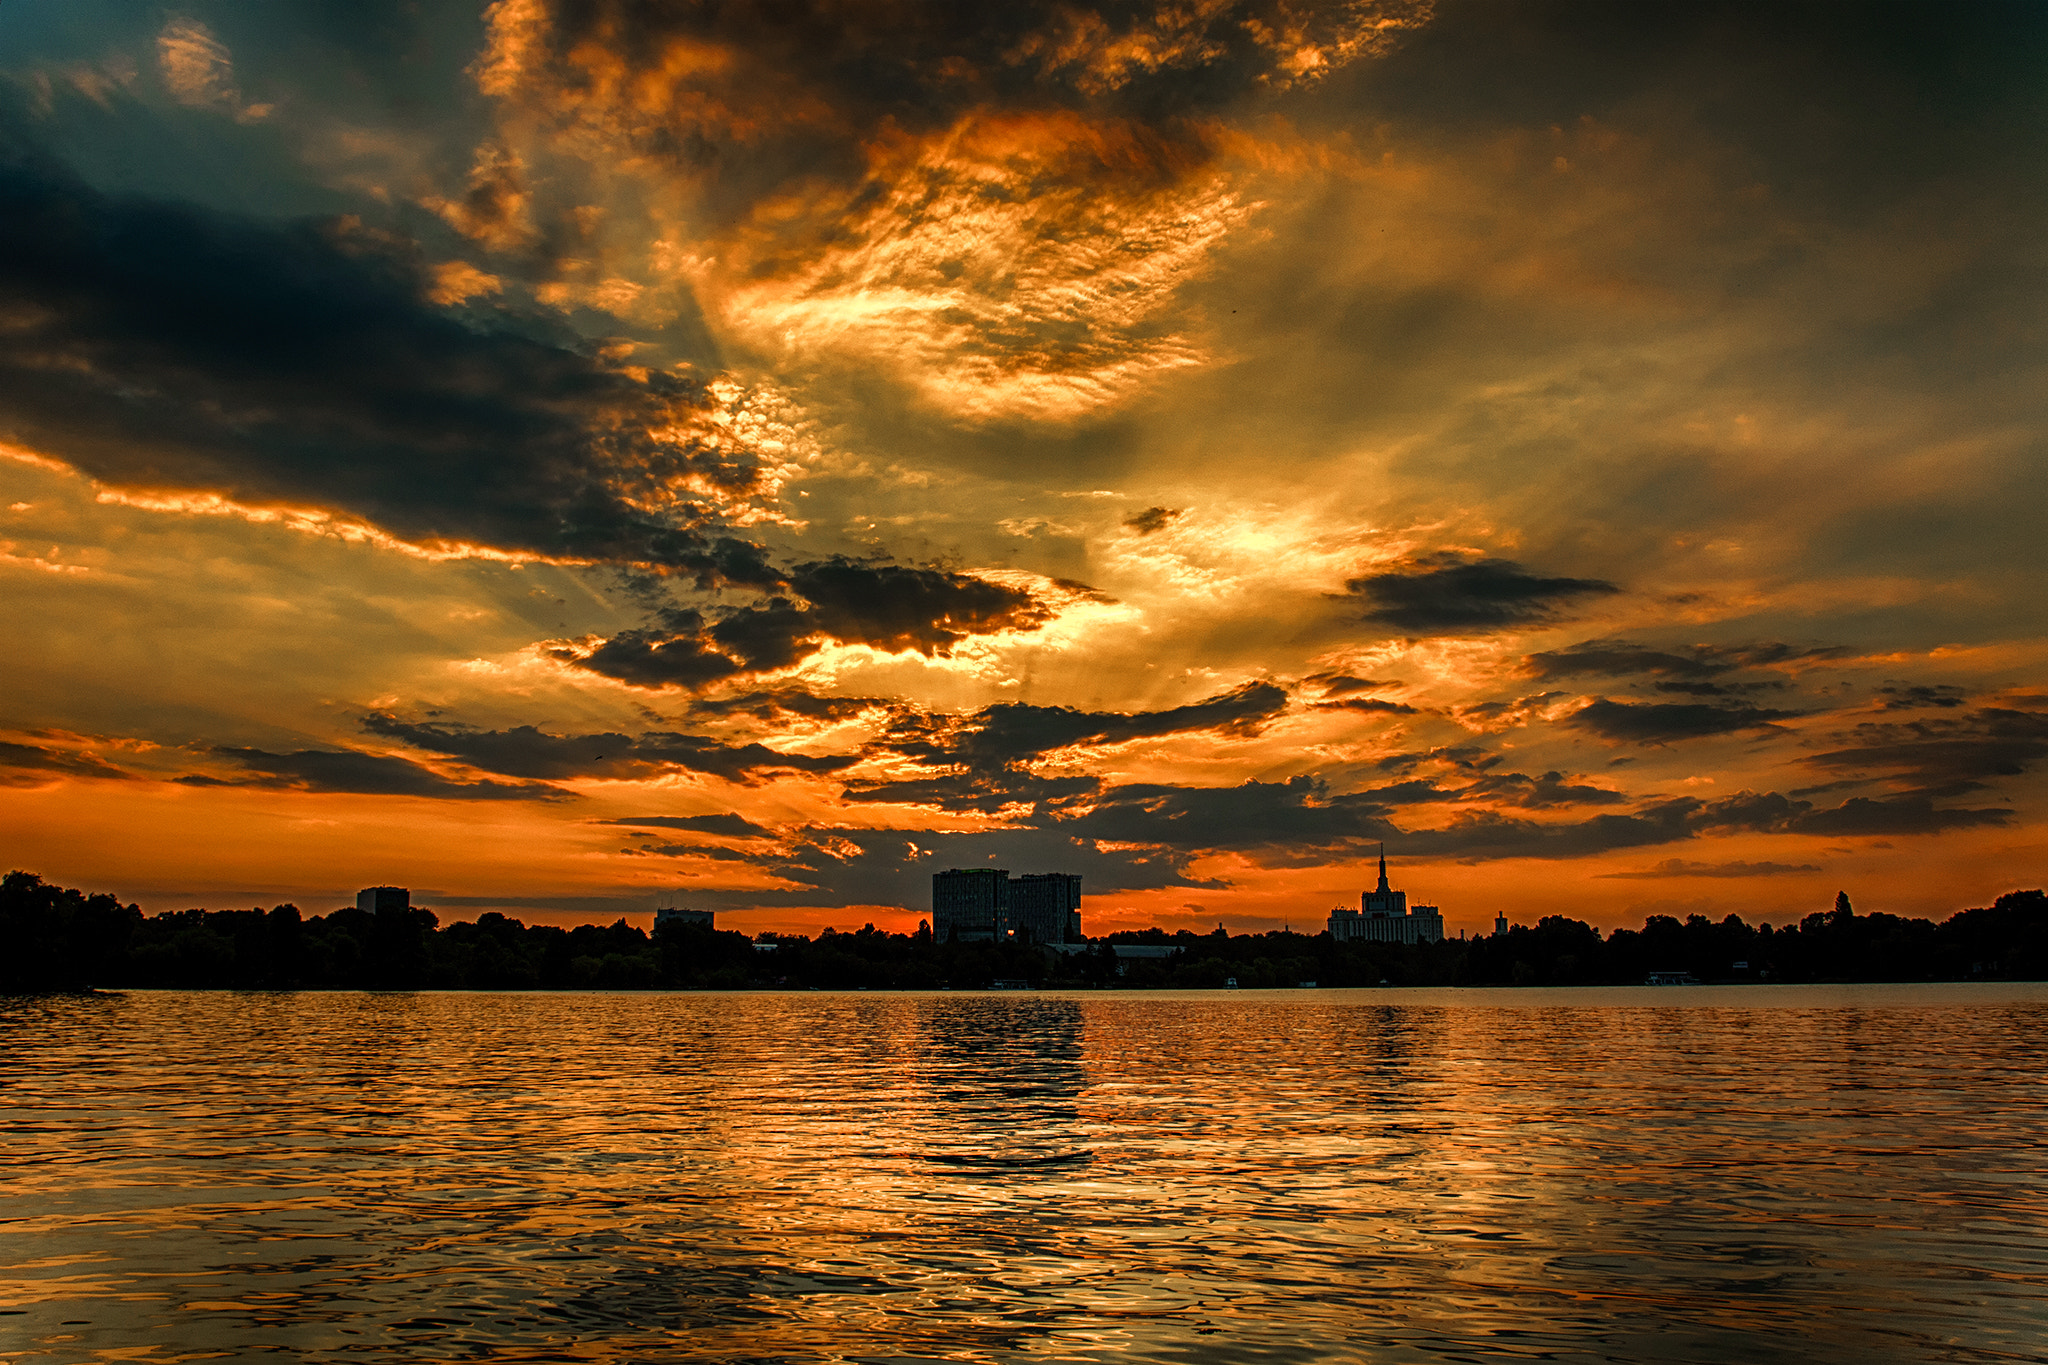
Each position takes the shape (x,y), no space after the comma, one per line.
(1671,979)
(1229,983)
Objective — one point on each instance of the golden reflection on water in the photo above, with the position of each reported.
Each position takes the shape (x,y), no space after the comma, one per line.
(1753,1174)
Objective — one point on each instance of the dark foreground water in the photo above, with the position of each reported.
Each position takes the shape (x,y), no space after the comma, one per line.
(1714,1175)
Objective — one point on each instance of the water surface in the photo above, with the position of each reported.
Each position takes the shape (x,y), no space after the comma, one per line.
(1714,1175)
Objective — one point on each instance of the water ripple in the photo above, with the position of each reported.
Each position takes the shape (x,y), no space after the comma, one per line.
(1754,1174)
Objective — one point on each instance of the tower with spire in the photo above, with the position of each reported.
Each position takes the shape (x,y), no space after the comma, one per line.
(1383,916)
(1383,900)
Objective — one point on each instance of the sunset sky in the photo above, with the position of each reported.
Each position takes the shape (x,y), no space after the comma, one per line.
(553,453)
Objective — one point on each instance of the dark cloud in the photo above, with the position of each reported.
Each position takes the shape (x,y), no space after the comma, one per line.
(1916,814)
(1944,755)
(1679,867)
(1667,722)
(1012,733)
(893,607)
(527,751)
(1453,594)
(982,791)
(1152,519)
(353,771)
(1391,708)
(715,852)
(923,66)
(1550,789)
(1901,697)
(1343,684)
(888,606)
(1773,813)
(166,347)
(1468,758)
(731,825)
(31,765)
(1619,659)
(1685,671)
(678,653)
(787,703)
(1301,817)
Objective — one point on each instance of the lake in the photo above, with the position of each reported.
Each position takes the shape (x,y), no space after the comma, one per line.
(1706,1174)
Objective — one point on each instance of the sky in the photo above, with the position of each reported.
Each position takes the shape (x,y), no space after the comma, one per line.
(565,455)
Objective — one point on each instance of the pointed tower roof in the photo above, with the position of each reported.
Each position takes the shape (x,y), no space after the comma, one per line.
(1383,887)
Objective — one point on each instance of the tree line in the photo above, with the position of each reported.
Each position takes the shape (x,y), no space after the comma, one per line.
(56,938)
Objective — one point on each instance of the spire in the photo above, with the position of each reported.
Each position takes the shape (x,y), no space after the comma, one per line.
(1383,869)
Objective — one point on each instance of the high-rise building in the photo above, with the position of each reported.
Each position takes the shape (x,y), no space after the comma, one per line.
(377,899)
(969,904)
(1045,907)
(669,914)
(1383,916)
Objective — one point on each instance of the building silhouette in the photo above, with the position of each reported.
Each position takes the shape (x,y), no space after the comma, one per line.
(666,911)
(968,904)
(378,899)
(983,905)
(1383,916)
(1045,907)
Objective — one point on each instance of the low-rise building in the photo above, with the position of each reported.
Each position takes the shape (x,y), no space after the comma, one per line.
(378,899)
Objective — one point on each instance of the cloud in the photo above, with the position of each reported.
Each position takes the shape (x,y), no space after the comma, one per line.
(1862,815)
(172,350)
(1945,755)
(199,70)
(356,772)
(529,752)
(1012,733)
(1152,519)
(985,792)
(1374,704)
(1453,594)
(1550,789)
(995,205)
(1774,813)
(1272,822)
(730,825)
(1901,697)
(887,606)
(1343,684)
(31,765)
(779,706)
(1679,867)
(1668,722)
(1691,667)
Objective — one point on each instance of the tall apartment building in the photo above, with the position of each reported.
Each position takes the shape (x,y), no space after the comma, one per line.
(984,905)
(1045,907)
(969,904)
